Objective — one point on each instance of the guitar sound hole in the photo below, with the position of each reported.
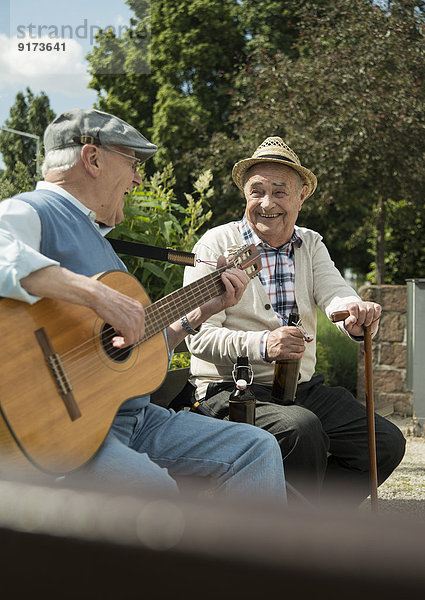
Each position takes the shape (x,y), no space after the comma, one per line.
(115,354)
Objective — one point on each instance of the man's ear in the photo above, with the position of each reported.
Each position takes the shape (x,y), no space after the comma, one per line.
(90,159)
(303,194)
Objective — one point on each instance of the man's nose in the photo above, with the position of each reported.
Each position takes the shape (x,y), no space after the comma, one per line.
(266,200)
(137,180)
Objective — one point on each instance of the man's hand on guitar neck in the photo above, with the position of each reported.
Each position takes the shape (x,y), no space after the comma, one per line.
(124,314)
(235,282)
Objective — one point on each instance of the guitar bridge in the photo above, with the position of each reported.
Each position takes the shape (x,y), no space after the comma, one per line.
(62,381)
(56,367)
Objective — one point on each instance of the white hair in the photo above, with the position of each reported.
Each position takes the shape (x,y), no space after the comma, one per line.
(61,160)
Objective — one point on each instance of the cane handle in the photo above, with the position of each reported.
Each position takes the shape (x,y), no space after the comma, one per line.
(339,315)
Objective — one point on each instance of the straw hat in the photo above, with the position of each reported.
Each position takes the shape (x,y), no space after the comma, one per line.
(274,149)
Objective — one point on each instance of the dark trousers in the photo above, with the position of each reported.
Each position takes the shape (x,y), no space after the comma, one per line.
(323,438)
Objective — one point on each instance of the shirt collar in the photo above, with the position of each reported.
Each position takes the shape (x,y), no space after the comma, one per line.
(251,237)
(52,187)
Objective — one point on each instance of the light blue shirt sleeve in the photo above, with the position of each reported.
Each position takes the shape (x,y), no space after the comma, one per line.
(20,236)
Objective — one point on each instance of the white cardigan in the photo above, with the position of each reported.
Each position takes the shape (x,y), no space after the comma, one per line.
(238,330)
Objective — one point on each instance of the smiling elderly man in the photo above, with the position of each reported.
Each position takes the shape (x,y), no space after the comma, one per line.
(323,435)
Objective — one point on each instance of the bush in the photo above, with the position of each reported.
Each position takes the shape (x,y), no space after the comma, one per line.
(153,217)
(336,355)
(180,360)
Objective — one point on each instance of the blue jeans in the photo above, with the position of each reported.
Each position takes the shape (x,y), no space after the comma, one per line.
(154,447)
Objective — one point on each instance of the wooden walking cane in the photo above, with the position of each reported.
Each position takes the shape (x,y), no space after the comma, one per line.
(370,410)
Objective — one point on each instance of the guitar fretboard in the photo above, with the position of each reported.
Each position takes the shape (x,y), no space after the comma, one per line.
(169,309)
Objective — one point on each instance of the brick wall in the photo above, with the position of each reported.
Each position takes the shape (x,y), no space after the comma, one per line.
(389,352)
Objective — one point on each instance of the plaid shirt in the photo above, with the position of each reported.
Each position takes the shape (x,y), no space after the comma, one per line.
(278,273)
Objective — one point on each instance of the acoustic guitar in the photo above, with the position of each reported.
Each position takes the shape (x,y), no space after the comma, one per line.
(61,379)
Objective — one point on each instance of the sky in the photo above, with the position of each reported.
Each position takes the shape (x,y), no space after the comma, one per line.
(61,72)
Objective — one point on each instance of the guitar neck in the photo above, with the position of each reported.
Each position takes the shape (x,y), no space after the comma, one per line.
(169,309)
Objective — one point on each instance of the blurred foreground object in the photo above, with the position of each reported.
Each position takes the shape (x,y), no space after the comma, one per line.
(57,542)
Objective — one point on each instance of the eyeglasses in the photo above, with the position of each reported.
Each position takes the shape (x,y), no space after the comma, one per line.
(136,161)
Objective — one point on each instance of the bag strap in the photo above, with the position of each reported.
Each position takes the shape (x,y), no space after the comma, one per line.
(176,257)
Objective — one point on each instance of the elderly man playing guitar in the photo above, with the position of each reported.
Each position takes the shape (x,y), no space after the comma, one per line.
(73,396)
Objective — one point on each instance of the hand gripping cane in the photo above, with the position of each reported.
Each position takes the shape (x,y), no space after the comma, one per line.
(370,411)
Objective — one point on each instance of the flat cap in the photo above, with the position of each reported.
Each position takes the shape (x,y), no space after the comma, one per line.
(90,126)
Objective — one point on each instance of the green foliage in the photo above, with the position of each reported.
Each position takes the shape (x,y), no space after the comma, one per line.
(336,355)
(178,122)
(404,256)
(342,82)
(181,360)
(184,96)
(278,28)
(22,182)
(193,52)
(353,108)
(154,217)
(30,114)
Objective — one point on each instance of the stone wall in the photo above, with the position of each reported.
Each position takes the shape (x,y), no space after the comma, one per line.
(389,352)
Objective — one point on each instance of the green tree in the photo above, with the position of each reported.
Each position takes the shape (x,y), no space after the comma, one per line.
(30,114)
(194,52)
(185,96)
(353,107)
(273,26)
(121,71)
(21,182)
(336,355)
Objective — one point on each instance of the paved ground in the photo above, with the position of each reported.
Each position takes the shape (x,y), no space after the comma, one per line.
(404,492)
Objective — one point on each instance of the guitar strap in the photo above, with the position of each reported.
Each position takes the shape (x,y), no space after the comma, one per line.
(176,257)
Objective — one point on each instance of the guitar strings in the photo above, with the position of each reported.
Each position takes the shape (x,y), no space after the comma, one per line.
(81,367)
(83,353)
(150,308)
(152,326)
(151,320)
(77,355)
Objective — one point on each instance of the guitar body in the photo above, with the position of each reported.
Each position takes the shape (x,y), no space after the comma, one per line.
(61,380)
(34,416)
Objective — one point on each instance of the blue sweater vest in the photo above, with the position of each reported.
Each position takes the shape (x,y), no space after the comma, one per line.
(69,237)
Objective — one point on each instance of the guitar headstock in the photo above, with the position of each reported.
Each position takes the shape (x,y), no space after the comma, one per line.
(246,257)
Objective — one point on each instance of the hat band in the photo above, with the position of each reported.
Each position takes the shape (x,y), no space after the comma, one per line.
(275,156)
